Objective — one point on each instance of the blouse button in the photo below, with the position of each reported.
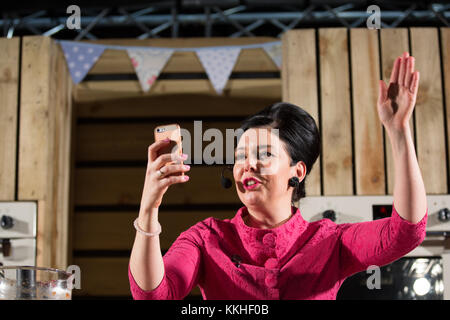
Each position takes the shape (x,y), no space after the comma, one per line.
(271,263)
(271,280)
(269,240)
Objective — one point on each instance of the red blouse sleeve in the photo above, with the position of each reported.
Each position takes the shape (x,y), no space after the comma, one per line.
(181,269)
(378,242)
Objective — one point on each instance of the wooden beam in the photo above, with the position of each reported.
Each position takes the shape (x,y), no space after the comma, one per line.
(88,91)
(9,95)
(299,85)
(200,105)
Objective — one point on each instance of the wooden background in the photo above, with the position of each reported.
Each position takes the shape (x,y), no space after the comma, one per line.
(331,73)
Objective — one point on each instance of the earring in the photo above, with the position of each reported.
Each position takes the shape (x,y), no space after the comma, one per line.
(294,182)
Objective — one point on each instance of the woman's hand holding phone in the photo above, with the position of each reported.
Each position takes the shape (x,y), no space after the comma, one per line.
(161,174)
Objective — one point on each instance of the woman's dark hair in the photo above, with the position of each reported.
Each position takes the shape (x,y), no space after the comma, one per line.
(298,131)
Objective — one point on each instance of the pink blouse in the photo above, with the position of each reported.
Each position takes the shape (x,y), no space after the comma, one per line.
(298,260)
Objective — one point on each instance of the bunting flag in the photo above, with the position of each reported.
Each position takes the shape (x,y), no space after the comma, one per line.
(218,64)
(80,58)
(148,64)
(218,61)
(275,52)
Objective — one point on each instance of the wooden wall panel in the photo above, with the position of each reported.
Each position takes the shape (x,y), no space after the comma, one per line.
(106,277)
(335,109)
(9,95)
(123,186)
(393,43)
(129,141)
(368,134)
(299,85)
(429,110)
(44,145)
(445,52)
(120,232)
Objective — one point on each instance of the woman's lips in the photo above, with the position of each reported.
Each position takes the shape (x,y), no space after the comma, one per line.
(250,187)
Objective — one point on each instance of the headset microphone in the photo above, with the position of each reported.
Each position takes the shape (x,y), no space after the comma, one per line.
(226,182)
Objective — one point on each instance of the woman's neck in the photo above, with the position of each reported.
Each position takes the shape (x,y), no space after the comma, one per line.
(262,218)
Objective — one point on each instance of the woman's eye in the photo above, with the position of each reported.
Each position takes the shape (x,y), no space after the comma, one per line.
(239,157)
(263,155)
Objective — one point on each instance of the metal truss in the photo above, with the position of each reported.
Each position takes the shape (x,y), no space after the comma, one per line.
(169,19)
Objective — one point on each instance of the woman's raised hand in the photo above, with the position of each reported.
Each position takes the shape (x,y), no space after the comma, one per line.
(396,102)
(156,184)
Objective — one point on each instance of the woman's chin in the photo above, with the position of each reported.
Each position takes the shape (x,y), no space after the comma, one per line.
(252,199)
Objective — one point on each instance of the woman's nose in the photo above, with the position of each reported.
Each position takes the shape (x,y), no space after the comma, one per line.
(250,163)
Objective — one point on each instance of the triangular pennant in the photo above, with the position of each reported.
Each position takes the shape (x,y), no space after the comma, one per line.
(148,63)
(218,64)
(274,51)
(80,58)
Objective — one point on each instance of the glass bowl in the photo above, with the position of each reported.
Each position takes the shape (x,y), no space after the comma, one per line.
(34,283)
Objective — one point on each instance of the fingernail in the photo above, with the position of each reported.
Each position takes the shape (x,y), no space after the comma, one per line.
(186,178)
(187,167)
(184,156)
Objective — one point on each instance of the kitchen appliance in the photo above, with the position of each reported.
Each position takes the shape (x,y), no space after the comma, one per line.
(19,276)
(424,272)
(18,233)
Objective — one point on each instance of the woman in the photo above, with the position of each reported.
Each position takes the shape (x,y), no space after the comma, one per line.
(267,250)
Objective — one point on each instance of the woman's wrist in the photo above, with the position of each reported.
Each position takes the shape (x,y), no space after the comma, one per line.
(148,220)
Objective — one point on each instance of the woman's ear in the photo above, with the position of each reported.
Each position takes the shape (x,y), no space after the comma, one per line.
(301,170)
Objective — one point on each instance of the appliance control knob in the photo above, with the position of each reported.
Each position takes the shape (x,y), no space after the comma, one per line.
(329,214)
(444,215)
(6,222)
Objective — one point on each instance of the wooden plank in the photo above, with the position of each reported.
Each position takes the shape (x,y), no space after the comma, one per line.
(445,47)
(34,118)
(120,233)
(106,277)
(34,138)
(429,110)
(123,186)
(299,85)
(44,144)
(393,43)
(368,134)
(9,94)
(336,113)
(129,141)
(105,90)
(62,156)
(177,105)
